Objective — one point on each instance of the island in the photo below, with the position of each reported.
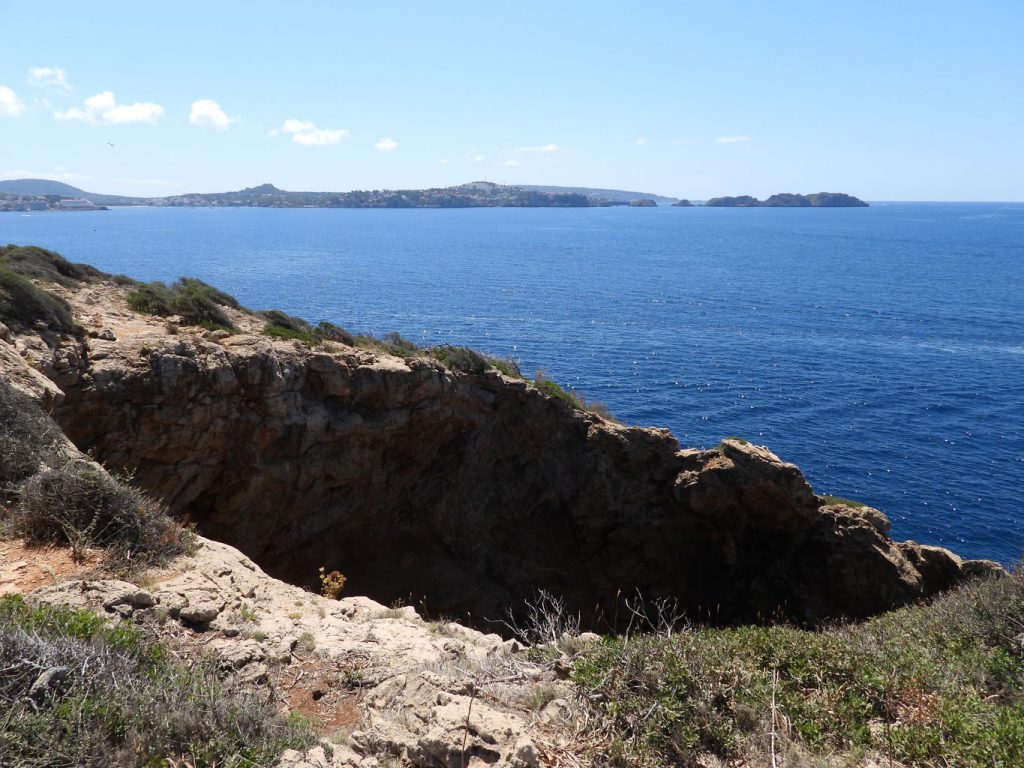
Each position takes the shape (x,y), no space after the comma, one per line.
(643,203)
(789,200)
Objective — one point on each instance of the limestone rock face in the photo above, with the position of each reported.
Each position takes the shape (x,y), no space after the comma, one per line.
(471,492)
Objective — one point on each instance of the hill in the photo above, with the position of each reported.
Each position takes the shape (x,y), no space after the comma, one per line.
(42,187)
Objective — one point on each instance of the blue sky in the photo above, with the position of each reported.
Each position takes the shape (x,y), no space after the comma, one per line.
(888,101)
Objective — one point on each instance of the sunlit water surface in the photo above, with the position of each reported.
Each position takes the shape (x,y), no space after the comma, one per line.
(880,349)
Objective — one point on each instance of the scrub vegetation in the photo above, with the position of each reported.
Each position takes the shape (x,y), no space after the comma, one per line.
(933,685)
(76,690)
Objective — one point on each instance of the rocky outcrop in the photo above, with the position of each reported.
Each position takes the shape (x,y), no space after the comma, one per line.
(789,200)
(466,493)
(428,694)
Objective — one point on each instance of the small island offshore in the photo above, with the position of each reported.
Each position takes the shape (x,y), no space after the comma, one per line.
(789,200)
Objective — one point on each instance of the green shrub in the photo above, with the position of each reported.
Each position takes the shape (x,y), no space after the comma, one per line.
(398,345)
(122,700)
(28,437)
(81,505)
(841,500)
(40,264)
(508,366)
(23,304)
(461,359)
(392,343)
(196,302)
(283,320)
(553,389)
(331,332)
(280,332)
(941,684)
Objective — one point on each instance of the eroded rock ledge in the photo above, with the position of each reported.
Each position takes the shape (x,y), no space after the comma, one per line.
(466,493)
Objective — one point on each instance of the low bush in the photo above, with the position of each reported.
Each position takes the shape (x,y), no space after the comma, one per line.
(461,359)
(331,332)
(28,437)
(81,505)
(196,302)
(940,684)
(288,334)
(552,388)
(841,500)
(40,264)
(398,345)
(508,366)
(23,304)
(117,698)
(392,343)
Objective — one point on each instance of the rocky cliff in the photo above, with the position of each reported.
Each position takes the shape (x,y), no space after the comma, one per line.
(464,492)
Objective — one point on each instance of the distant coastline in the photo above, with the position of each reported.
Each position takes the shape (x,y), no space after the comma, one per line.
(42,194)
(45,194)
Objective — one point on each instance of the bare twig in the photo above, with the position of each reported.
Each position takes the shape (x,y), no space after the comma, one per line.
(775,716)
(465,736)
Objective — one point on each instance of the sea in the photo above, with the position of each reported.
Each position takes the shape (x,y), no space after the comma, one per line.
(880,349)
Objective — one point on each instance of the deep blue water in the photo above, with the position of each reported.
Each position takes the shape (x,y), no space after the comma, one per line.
(880,349)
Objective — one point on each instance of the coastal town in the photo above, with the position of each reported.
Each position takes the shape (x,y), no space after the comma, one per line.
(26,203)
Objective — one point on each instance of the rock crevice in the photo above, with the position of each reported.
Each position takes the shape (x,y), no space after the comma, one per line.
(468,493)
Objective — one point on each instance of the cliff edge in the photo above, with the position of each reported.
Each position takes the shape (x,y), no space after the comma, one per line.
(466,492)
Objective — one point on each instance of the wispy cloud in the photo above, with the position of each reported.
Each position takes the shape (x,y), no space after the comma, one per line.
(10,104)
(387,145)
(207,113)
(731,139)
(306,133)
(640,141)
(49,77)
(103,109)
(513,163)
(443,161)
(479,158)
(546,149)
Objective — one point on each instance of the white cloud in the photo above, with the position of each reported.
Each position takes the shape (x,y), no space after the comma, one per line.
(387,145)
(479,158)
(306,133)
(49,77)
(10,104)
(207,113)
(512,163)
(103,109)
(443,161)
(640,141)
(546,149)
(731,139)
